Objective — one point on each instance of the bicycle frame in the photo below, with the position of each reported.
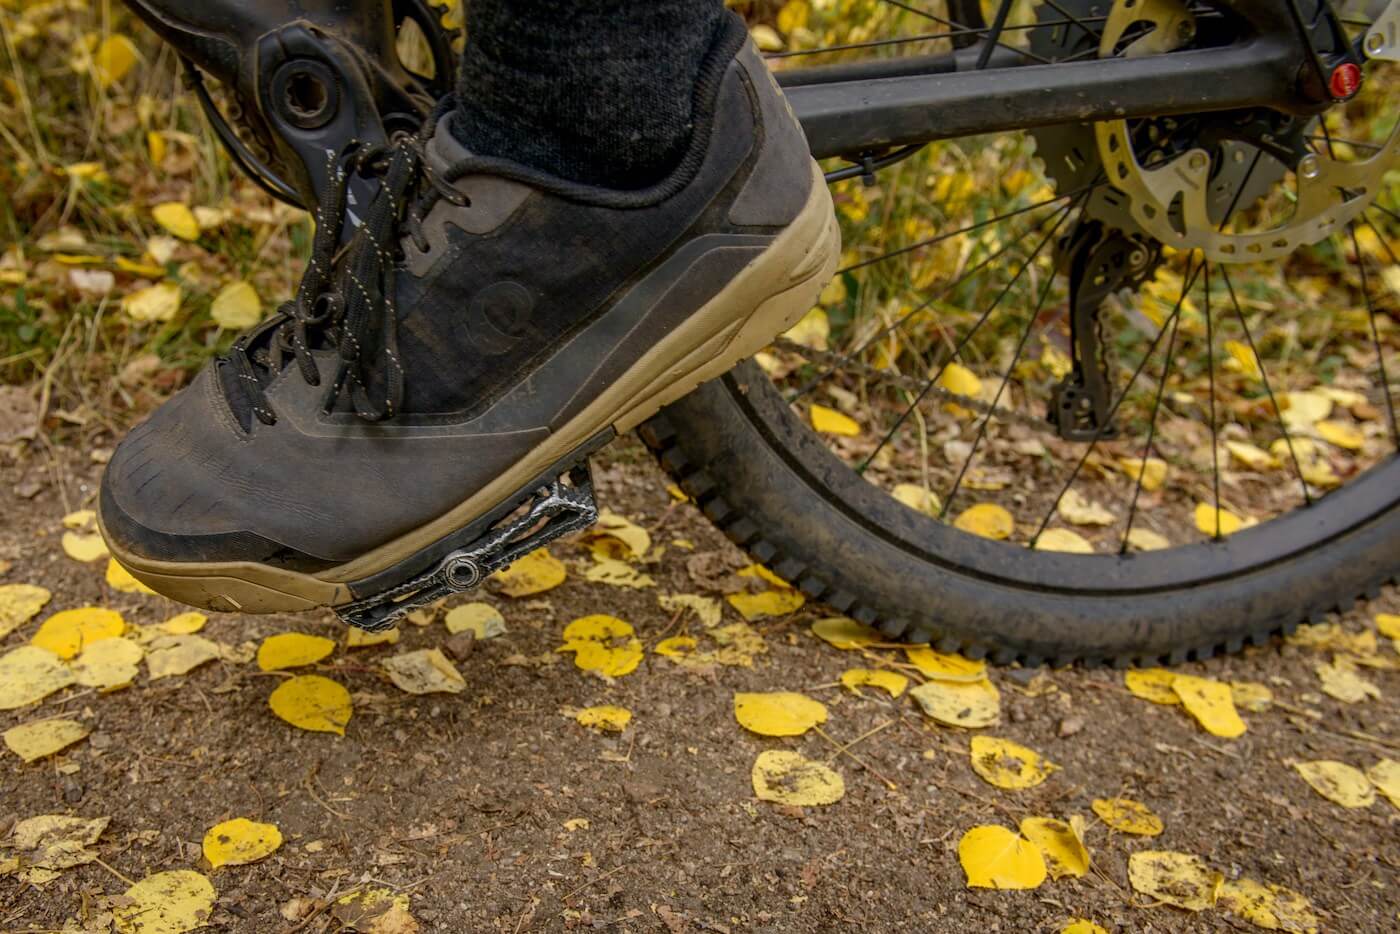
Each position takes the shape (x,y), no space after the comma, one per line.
(872,106)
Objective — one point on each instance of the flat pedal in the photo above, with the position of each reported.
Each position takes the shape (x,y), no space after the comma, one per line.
(566,504)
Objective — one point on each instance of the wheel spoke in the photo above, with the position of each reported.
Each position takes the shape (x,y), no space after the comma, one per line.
(1167,365)
(1214,429)
(1375,336)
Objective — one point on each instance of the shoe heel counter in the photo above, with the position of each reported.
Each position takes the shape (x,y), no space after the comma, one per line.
(781,180)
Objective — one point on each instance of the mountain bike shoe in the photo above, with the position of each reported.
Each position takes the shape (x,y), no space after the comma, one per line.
(421,413)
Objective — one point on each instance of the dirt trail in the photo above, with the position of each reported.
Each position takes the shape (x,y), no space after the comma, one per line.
(465,802)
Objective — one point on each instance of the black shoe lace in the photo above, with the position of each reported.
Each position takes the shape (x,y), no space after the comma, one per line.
(346,296)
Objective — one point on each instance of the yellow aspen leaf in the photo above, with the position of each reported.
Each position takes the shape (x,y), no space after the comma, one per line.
(1147,540)
(482,620)
(145,270)
(33,741)
(605,717)
(171,902)
(157,302)
(993,857)
(29,674)
(19,603)
(617,537)
(706,609)
(236,307)
(784,777)
(535,573)
(1248,455)
(1178,879)
(86,172)
(68,632)
(739,643)
(959,379)
(1128,816)
(1251,696)
(1302,410)
(1385,776)
(1211,703)
(1082,926)
(812,330)
(84,548)
(1271,907)
(1152,684)
(831,422)
(177,219)
(51,842)
(1338,782)
(292,650)
(1387,624)
(171,656)
(1007,764)
(1244,357)
(1077,510)
(1153,471)
(942,666)
(892,682)
(759,572)
(1061,843)
(113,58)
(845,633)
(756,606)
(576,823)
(1340,434)
(778,713)
(617,574)
(917,498)
(1207,517)
(425,671)
(314,703)
(1063,540)
(120,579)
(79,519)
(987,520)
(240,841)
(356,638)
(156,146)
(676,646)
(183,624)
(1341,681)
(972,705)
(108,664)
(375,911)
(766,38)
(602,644)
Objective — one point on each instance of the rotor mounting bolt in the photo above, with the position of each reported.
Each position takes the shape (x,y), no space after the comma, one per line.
(1345,81)
(1309,167)
(1198,161)
(1375,43)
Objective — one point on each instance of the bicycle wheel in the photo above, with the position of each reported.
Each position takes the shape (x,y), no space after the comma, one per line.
(1044,417)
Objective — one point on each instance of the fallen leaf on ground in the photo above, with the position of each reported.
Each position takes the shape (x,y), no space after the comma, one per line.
(1341,681)
(1301,410)
(892,682)
(917,498)
(739,643)
(1250,456)
(1128,816)
(1206,519)
(68,632)
(375,911)
(535,573)
(943,666)
(1244,357)
(603,644)
(52,842)
(1338,782)
(356,638)
(831,422)
(120,579)
(183,624)
(1063,540)
(1007,764)
(617,574)
(1153,470)
(969,704)
(778,713)
(605,717)
(759,572)
(176,218)
(1152,684)
(84,548)
(707,609)
(1271,907)
(1211,703)
(1147,540)
(1178,879)
(993,857)
(166,903)
(240,841)
(236,307)
(756,606)
(1387,624)
(79,519)
(1385,776)
(155,303)
(108,664)
(676,646)
(1340,434)
(987,520)
(170,656)
(32,741)
(784,777)
(19,603)
(30,674)
(113,58)
(292,650)
(1077,510)
(1251,696)
(1082,926)
(961,380)
(844,633)
(312,703)
(615,536)
(425,671)
(1061,843)
(480,619)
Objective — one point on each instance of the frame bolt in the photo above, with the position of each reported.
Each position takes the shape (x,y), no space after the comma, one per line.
(1198,160)
(1375,43)
(1309,167)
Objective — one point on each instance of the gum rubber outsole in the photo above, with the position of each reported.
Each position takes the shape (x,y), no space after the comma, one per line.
(766,298)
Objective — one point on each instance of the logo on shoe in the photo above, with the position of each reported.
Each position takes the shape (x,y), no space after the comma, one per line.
(497,316)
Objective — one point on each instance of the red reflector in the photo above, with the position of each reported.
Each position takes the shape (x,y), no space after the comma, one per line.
(1346,79)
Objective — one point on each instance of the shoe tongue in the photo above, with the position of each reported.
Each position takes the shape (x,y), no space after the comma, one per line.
(444,149)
